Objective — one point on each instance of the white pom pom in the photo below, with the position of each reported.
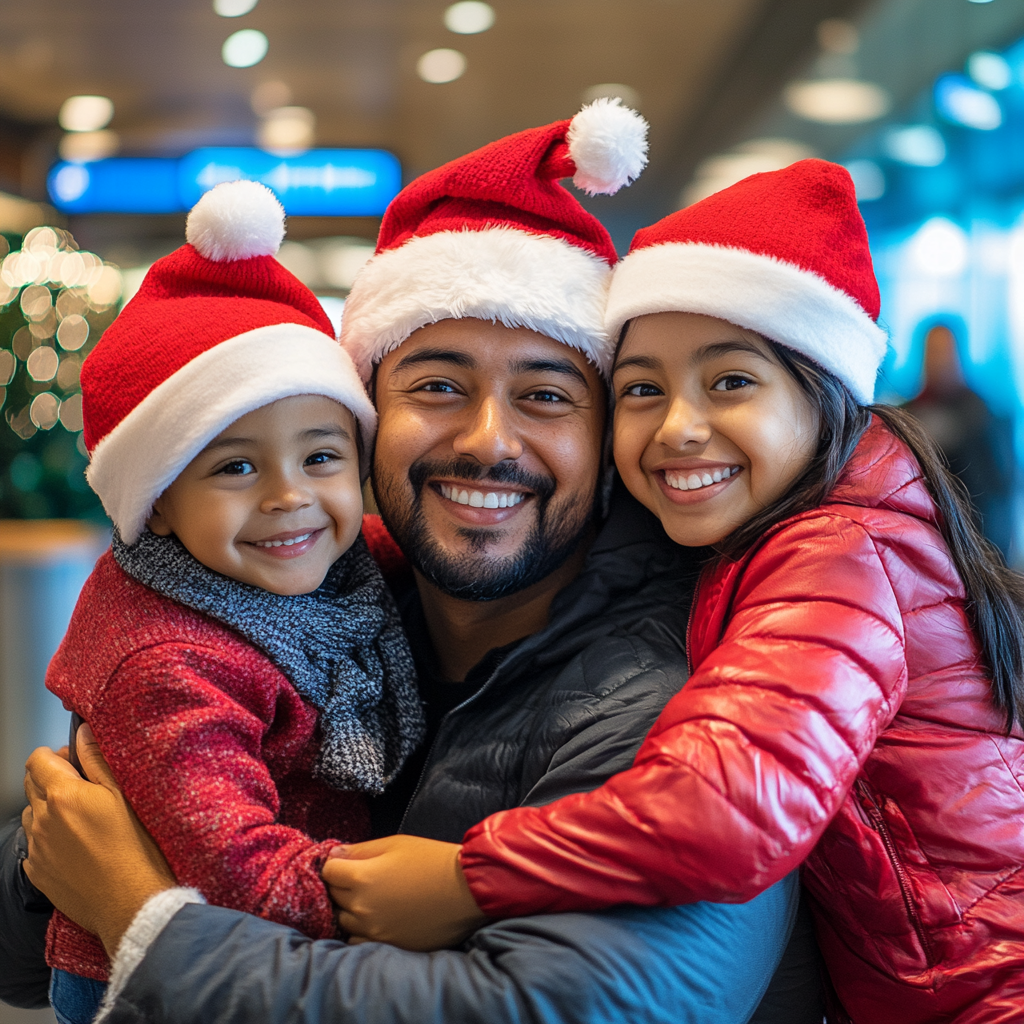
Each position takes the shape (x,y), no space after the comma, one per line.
(608,144)
(236,221)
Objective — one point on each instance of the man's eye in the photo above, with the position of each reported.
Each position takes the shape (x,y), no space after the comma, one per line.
(237,467)
(439,387)
(642,390)
(733,382)
(545,396)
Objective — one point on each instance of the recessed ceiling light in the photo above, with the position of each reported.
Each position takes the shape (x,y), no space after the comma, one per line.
(233,8)
(837,100)
(82,147)
(440,66)
(244,48)
(85,113)
(288,128)
(469,17)
(989,70)
(958,100)
(919,145)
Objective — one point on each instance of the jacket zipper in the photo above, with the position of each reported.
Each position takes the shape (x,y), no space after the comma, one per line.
(874,813)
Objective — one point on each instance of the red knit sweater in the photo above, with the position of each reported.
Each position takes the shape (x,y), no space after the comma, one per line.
(213,747)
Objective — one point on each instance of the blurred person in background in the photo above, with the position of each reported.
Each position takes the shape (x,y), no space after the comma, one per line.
(977,444)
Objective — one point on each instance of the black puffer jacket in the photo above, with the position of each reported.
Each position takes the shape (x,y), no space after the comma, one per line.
(559,713)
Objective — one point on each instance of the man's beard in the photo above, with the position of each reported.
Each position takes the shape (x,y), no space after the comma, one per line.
(558,530)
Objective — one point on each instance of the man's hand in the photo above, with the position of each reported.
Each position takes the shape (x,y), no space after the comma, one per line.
(86,849)
(404,890)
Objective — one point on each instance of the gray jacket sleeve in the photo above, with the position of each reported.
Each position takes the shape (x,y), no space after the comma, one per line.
(24,915)
(699,963)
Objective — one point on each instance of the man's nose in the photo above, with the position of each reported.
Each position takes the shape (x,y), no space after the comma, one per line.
(488,435)
(684,423)
(285,492)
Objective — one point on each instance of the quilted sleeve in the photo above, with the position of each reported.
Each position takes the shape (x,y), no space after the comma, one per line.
(183,732)
(746,765)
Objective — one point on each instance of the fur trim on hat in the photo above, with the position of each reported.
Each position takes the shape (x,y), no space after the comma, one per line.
(783,302)
(138,460)
(499,274)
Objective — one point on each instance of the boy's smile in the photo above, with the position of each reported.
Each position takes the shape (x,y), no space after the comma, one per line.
(274,500)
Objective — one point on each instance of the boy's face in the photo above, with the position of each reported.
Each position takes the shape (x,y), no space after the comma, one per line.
(274,500)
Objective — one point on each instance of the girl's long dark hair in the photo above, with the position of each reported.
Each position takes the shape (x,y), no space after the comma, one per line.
(995,594)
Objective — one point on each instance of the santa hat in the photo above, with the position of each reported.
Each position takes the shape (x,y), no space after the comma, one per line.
(784,254)
(493,235)
(219,328)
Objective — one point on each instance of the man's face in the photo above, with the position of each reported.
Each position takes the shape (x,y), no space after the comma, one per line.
(488,454)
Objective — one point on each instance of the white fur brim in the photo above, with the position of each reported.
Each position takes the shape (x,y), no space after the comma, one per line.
(499,274)
(135,463)
(785,303)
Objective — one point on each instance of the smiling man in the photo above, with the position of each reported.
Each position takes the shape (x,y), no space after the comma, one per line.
(546,613)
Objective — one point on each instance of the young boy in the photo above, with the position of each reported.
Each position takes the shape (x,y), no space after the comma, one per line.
(236,653)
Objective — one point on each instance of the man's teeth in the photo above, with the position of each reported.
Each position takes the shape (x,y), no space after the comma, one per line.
(694,481)
(482,499)
(286,543)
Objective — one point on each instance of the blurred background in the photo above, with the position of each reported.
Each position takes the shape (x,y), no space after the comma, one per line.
(115,116)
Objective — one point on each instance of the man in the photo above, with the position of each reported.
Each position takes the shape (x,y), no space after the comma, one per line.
(548,637)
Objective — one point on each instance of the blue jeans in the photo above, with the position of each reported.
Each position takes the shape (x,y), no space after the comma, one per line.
(75,1000)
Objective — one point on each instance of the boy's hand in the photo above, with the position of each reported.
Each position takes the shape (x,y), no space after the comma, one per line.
(404,890)
(86,849)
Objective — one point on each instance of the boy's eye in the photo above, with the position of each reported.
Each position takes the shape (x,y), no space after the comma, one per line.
(642,390)
(733,382)
(237,467)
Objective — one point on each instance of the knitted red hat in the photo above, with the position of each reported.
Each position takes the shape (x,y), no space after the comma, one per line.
(784,254)
(493,235)
(219,328)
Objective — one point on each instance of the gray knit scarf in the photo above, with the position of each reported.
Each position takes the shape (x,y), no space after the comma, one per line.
(342,647)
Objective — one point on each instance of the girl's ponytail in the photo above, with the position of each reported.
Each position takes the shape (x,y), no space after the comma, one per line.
(995,593)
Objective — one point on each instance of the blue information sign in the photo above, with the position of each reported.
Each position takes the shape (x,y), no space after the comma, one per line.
(319,182)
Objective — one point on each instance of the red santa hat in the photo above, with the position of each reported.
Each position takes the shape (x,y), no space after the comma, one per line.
(219,328)
(784,254)
(493,235)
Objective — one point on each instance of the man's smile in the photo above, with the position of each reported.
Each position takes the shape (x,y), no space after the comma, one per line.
(480,499)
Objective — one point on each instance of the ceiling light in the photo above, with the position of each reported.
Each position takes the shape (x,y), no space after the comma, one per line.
(868,180)
(939,248)
(612,90)
(919,145)
(233,8)
(244,48)
(81,147)
(960,101)
(837,100)
(85,113)
(439,66)
(469,17)
(989,70)
(288,129)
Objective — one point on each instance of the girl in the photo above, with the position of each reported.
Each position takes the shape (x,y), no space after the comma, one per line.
(856,647)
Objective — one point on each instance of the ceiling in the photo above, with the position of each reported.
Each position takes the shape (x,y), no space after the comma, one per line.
(696,67)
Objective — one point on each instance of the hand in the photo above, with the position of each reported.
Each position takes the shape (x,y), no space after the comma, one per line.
(404,890)
(86,849)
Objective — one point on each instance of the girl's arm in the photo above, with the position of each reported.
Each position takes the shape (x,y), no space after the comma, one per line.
(183,733)
(746,765)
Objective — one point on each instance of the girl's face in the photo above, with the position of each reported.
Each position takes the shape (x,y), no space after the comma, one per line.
(709,427)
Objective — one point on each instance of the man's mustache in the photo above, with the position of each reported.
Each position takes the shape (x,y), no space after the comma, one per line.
(472,472)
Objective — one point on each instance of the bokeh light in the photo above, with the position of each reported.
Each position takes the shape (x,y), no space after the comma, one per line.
(244,48)
(440,66)
(85,113)
(469,17)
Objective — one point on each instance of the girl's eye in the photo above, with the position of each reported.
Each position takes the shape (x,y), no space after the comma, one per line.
(733,382)
(320,459)
(642,390)
(237,467)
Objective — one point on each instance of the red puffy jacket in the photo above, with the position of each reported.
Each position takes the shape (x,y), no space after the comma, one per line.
(839,716)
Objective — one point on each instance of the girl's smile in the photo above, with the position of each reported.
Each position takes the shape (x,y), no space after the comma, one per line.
(710,428)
